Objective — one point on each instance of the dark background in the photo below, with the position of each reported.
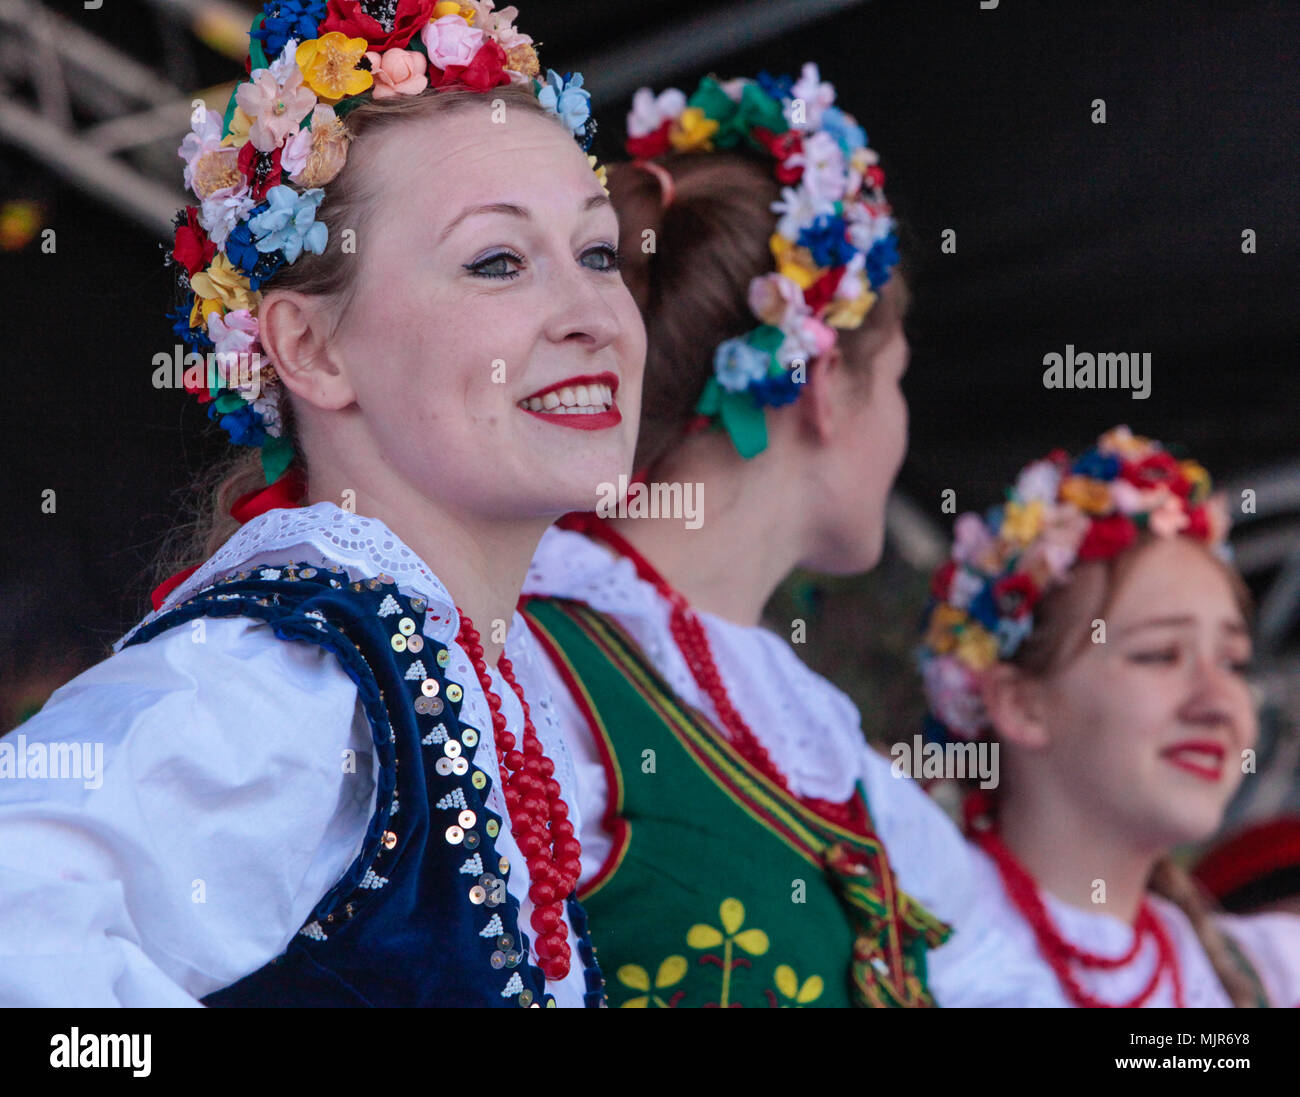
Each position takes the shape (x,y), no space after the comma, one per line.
(1117,237)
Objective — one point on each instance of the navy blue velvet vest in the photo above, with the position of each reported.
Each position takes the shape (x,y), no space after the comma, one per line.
(422,917)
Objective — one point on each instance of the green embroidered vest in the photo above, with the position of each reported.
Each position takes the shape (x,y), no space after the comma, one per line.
(722,889)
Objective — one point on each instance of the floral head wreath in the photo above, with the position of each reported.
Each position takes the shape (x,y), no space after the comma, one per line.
(834,245)
(259,173)
(1060,512)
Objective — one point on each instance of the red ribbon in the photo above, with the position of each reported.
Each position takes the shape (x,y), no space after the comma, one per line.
(287,492)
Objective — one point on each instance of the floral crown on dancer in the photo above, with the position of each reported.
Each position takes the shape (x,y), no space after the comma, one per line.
(1061,511)
(259,174)
(834,245)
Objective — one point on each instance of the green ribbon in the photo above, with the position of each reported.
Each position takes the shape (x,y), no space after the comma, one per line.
(737,120)
(276,455)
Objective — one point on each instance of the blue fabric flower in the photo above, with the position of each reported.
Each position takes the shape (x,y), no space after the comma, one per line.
(847,132)
(777,391)
(194,338)
(1098,465)
(778,87)
(881,260)
(565,97)
(289,223)
(737,365)
(285,19)
(1011,633)
(259,266)
(244,426)
(984,609)
(826,239)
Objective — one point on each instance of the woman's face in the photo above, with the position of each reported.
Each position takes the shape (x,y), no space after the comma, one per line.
(1148,728)
(865,459)
(495,355)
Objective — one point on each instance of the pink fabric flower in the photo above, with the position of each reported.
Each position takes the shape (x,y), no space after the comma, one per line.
(970,538)
(233,333)
(205,136)
(814,335)
(397,72)
(451,41)
(276,109)
(953,692)
(499,25)
(775,299)
(1168,519)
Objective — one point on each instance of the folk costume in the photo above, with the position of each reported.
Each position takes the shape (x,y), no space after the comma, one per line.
(742,845)
(310,789)
(1060,511)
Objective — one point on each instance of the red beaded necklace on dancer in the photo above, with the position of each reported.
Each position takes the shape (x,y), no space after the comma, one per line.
(693,642)
(1062,955)
(539,817)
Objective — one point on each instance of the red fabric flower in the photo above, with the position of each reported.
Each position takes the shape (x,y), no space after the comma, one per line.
(192,249)
(260,169)
(486,70)
(347,17)
(1157,469)
(782,146)
(1108,537)
(651,145)
(874,177)
(941,581)
(1198,524)
(821,291)
(1015,595)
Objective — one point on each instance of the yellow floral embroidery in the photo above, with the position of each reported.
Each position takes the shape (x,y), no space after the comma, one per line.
(789,986)
(671,972)
(752,941)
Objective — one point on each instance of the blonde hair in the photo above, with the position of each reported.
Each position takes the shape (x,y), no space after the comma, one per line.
(205,523)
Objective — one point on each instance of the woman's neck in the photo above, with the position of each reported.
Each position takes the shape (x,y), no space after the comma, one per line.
(1074,856)
(482,562)
(744,547)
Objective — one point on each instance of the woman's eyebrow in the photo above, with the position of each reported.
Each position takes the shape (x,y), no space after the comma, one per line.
(1182,620)
(511,210)
(493,207)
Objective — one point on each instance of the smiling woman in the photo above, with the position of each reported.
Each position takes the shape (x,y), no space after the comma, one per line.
(1092,629)
(327,788)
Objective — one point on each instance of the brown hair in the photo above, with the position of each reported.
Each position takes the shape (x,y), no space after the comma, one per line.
(207,523)
(689,267)
(1061,631)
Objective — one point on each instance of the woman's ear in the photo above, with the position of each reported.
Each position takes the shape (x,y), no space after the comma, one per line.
(820,402)
(1015,707)
(292,329)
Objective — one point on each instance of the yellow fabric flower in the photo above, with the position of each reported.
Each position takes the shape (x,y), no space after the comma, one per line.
(795,262)
(329,65)
(1022,522)
(222,283)
(1198,478)
(450,7)
(240,124)
(693,131)
(202,308)
(850,314)
(941,636)
(599,169)
(977,648)
(1089,495)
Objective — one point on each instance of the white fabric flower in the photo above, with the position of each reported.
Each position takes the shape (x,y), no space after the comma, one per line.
(815,95)
(223,209)
(649,111)
(1039,482)
(798,207)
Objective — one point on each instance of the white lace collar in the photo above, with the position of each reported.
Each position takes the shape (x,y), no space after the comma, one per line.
(572,565)
(322,534)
